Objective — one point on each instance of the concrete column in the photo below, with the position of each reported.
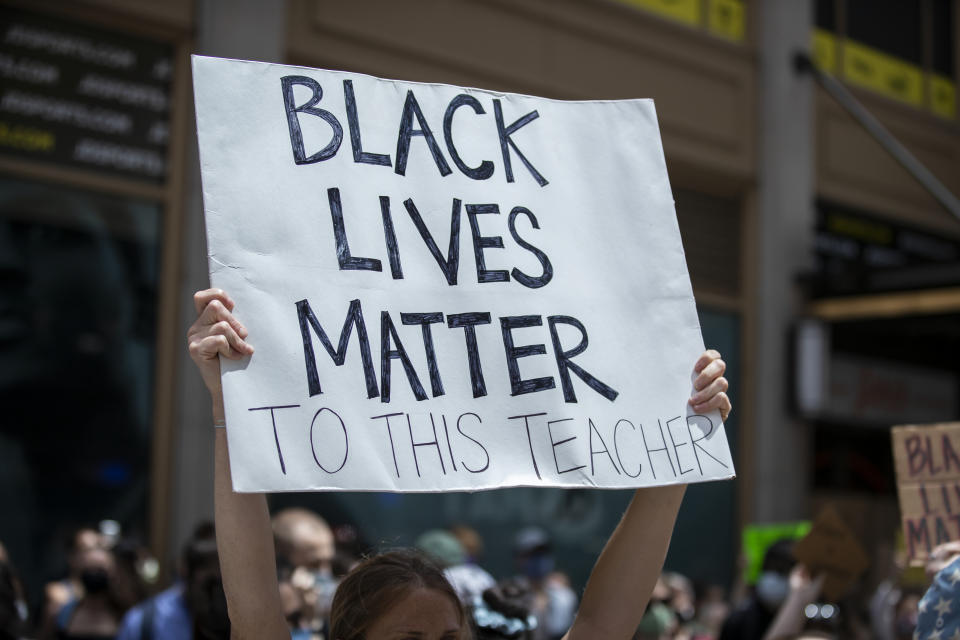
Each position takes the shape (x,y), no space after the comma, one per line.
(251,30)
(782,444)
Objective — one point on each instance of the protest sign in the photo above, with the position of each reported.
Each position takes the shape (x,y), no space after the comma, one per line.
(757,538)
(927,460)
(447,288)
(832,549)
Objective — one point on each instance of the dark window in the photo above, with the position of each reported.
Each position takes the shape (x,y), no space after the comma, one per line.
(825,14)
(892,26)
(78,291)
(942,35)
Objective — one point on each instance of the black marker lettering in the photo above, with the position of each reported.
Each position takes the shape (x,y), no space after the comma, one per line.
(425,320)
(273,420)
(390,238)
(565,366)
(485,170)
(664,449)
(506,143)
(526,424)
(697,447)
(519,276)
(616,447)
(346,440)
(430,443)
(387,333)
(354,318)
(411,110)
(359,155)
(518,386)
(468,321)
(451,264)
(393,449)
(594,452)
(293,124)
(556,443)
(347,261)
(486,454)
(481,242)
(677,446)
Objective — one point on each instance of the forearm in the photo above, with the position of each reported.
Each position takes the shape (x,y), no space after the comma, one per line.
(789,619)
(245,546)
(627,569)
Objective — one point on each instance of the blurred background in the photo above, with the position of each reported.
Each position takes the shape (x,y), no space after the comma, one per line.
(824,272)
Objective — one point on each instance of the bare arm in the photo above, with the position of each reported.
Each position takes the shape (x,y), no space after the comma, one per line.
(629,565)
(244,536)
(790,617)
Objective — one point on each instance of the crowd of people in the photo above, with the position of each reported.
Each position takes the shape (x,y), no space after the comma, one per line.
(108,591)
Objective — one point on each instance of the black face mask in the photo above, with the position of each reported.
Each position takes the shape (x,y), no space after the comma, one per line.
(95,581)
(208,604)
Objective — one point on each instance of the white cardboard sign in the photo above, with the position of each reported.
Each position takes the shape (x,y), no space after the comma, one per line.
(447,288)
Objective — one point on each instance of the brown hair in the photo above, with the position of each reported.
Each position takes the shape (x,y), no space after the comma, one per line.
(379,583)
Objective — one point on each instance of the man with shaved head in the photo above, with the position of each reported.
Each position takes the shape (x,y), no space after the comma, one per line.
(305,550)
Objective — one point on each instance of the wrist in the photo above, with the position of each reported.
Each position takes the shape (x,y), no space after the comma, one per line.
(219,413)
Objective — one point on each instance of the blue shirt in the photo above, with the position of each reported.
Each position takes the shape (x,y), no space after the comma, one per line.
(171,619)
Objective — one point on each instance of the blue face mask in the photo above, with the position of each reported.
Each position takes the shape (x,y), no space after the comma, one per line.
(772,589)
(538,566)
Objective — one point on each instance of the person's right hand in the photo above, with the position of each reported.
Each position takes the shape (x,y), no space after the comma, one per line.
(941,556)
(215,333)
(804,587)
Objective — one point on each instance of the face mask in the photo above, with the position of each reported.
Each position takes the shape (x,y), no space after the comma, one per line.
(95,581)
(772,589)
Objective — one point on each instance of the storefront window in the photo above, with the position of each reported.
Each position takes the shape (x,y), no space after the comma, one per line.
(78,292)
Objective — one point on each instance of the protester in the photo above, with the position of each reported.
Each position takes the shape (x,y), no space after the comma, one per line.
(402,589)
(938,612)
(194,607)
(711,610)
(504,612)
(803,590)
(682,596)
(752,619)
(305,546)
(96,615)
(13,610)
(468,580)
(69,589)
(471,542)
(554,602)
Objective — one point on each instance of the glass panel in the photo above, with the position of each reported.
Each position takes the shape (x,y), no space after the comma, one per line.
(78,290)
(943,38)
(892,26)
(825,14)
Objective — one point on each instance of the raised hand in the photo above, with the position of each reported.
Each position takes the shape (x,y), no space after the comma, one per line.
(710,387)
(215,333)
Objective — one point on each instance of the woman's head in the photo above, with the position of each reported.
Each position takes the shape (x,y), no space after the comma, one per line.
(395,592)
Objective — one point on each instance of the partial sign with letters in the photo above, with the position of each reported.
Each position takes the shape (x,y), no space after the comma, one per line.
(447,288)
(927,460)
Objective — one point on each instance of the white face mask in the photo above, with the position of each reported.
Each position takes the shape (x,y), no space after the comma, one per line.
(772,589)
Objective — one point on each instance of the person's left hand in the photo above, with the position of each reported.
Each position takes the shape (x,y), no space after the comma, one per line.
(710,387)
